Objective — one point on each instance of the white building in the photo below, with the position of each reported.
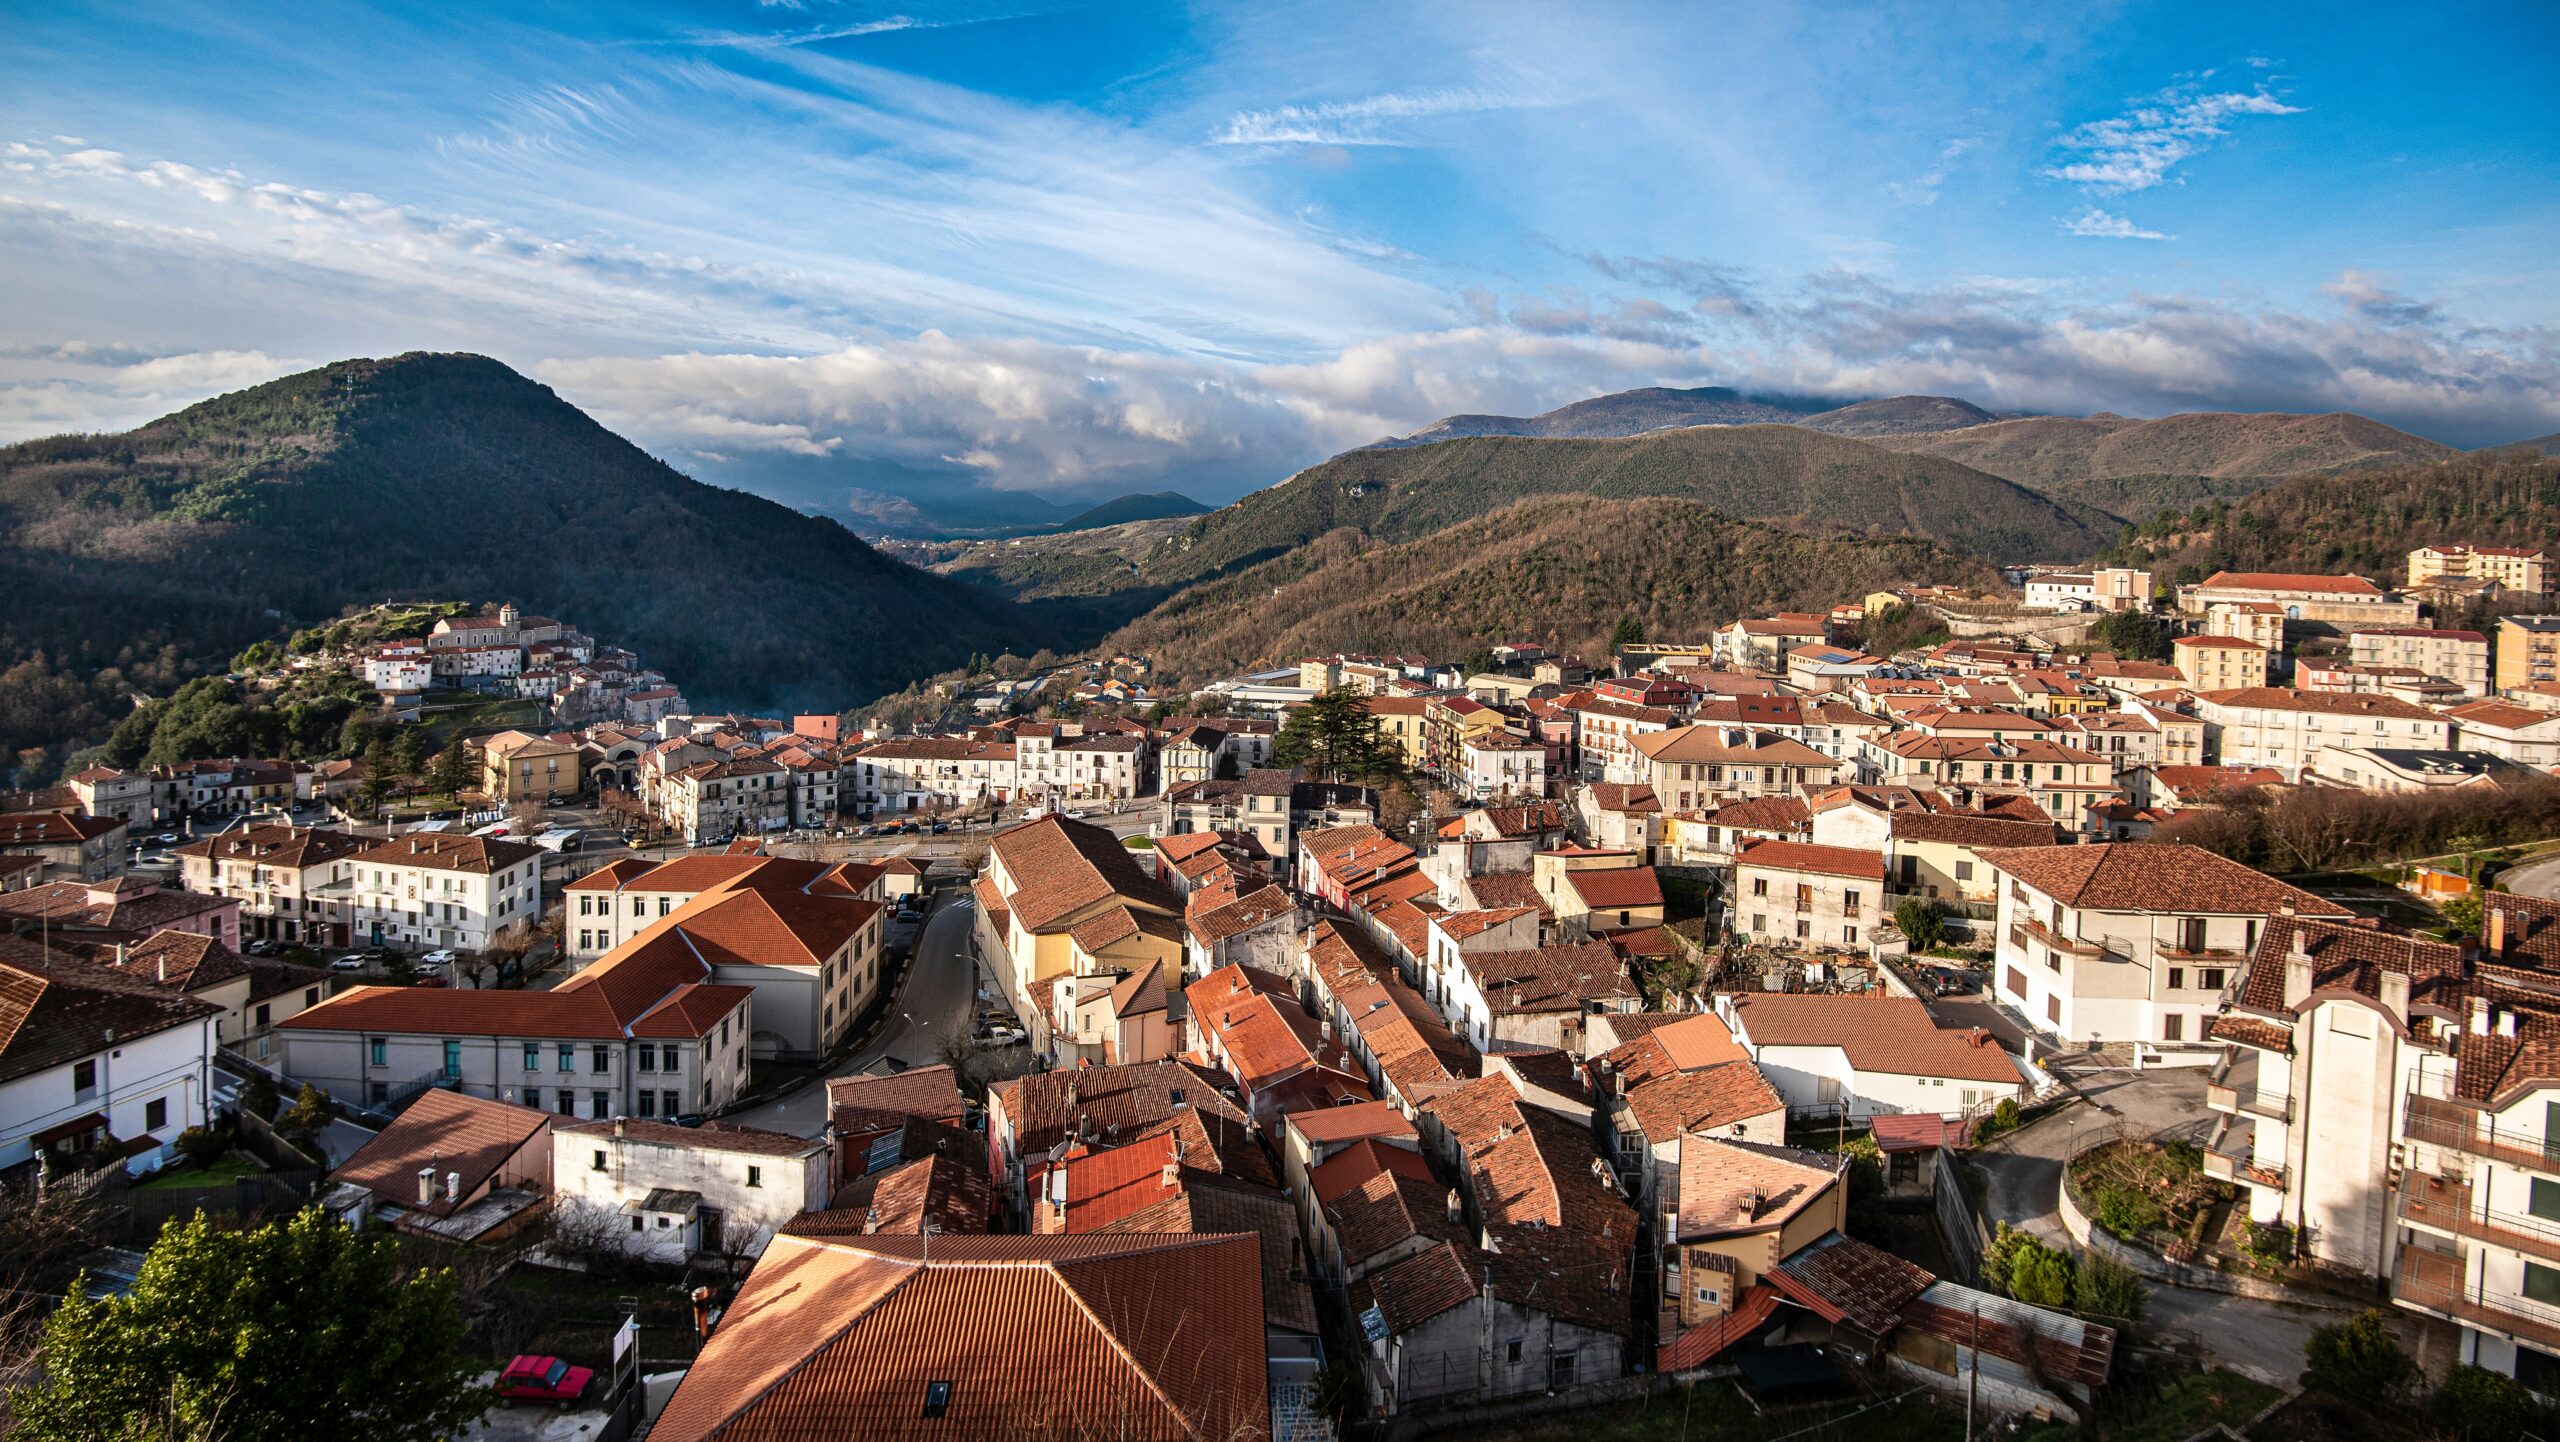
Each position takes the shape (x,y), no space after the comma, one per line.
(925,773)
(1501,764)
(92,1064)
(1873,1054)
(427,889)
(2130,942)
(2272,726)
(2461,657)
(398,666)
(665,1193)
(2521,734)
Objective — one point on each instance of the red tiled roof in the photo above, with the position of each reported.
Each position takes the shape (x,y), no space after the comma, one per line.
(1703,1343)
(1845,861)
(1616,886)
(2143,876)
(450,1132)
(2288,581)
(1843,1279)
(1160,1337)
(1061,866)
(1878,1033)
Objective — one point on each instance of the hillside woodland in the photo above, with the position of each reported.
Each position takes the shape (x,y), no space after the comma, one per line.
(133,560)
(2364,522)
(1559,570)
(1779,474)
(1899,415)
(1622,413)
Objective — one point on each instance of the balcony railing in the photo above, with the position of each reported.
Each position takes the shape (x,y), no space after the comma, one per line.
(2434,1282)
(2448,1124)
(2231,1156)
(2446,1204)
(2233,1088)
(2037,931)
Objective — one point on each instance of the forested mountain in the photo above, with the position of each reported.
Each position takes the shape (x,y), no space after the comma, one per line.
(1900,415)
(2365,522)
(132,560)
(1621,413)
(1558,569)
(1782,474)
(1143,506)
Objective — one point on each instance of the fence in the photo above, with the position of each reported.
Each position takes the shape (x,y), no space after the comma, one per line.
(1951,1207)
(259,1138)
(139,1213)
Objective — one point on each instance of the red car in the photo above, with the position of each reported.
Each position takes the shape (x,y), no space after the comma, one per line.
(543,1379)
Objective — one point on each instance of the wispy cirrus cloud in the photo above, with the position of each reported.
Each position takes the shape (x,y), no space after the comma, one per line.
(1370,120)
(2100,224)
(1922,189)
(2138,149)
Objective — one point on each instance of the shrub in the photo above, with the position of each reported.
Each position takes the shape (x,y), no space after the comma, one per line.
(2109,1288)
(2027,1269)
(2124,1212)
(202,1146)
(2267,1244)
(2485,1406)
(1922,923)
(2463,914)
(2358,1359)
(257,1096)
(309,1115)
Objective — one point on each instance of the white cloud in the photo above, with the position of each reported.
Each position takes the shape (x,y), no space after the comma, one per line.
(2138,149)
(1367,121)
(95,386)
(2096,222)
(1922,189)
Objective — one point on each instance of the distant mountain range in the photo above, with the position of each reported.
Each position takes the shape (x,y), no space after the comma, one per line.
(1623,413)
(1141,506)
(441,476)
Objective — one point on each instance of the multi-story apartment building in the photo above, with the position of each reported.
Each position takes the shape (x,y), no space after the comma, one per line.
(740,796)
(2515,733)
(1608,736)
(2528,651)
(1501,764)
(2461,657)
(1696,767)
(2130,942)
(2515,567)
(88,1057)
(293,883)
(2220,663)
(924,773)
(1798,894)
(136,798)
(2396,1105)
(443,891)
(2285,729)
(2315,603)
(2064,781)
(517,766)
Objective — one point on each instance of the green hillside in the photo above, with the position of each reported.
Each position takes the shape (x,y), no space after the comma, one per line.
(1782,474)
(1558,569)
(135,559)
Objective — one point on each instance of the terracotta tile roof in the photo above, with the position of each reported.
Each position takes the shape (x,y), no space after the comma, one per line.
(1615,796)
(284,846)
(1765,813)
(1421,1286)
(1702,1344)
(1210,925)
(1667,1101)
(2142,876)
(925,1091)
(1344,1172)
(991,904)
(2500,715)
(178,960)
(2326,703)
(1206,1204)
(1044,1109)
(1061,866)
(1842,861)
(2198,783)
(1462,925)
(1266,1036)
(1548,978)
(1616,886)
(127,907)
(435,851)
(53,828)
(1726,745)
(1878,1033)
(2528,930)
(1182,846)
(613,875)
(1497,891)
(450,1132)
(1387,1207)
(1360,1120)
(2350,957)
(957,1197)
(1728,1187)
(1970,831)
(2287,581)
(1159,1338)
(55,1010)
(2250,1031)
(1140,992)
(1119,923)
(1843,1279)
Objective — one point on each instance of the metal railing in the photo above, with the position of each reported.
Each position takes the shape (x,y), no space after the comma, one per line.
(2435,1282)
(2450,1205)
(2448,1124)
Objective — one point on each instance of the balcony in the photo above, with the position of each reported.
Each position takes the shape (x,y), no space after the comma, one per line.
(2434,1282)
(2043,935)
(2231,1156)
(2450,1124)
(2234,1088)
(2448,1204)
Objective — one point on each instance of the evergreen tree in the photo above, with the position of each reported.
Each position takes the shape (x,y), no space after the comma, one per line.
(1628,632)
(1337,739)
(303,1328)
(453,770)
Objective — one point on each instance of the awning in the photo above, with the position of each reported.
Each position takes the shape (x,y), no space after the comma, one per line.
(664,1200)
(76,1127)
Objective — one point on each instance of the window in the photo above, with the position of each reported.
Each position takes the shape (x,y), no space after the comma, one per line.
(596,1163)
(937,1397)
(2053,1008)
(648,1103)
(1849,936)
(1759,886)
(453,1058)
(155,1114)
(2541,1283)
(568,1057)
(533,1056)
(635,1224)
(600,1061)
(2177,978)
(1804,930)
(2191,934)
(2210,978)
(755,1176)
(1710,1295)
(1849,903)
(1511,1352)
(263,1017)
(667,1058)
(1964,871)
(1560,1369)
(673,1105)
(646,1058)
(600,1105)
(378,1052)
(2173,1027)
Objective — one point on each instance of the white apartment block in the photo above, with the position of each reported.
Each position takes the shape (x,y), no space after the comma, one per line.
(2272,726)
(2462,657)
(442,891)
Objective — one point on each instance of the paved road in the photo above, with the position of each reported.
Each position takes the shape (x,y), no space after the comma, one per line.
(2535,878)
(341,1139)
(936,994)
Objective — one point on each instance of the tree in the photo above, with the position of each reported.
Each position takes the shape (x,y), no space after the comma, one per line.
(1337,738)
(2358,1359)
(2018,1264)
(309,1116)
(1868,1221)
(1922,922)
(452,771)
(1478,661)
(2108,1288)
(1628,632)
(2484,1406)
(2464,914)
(2133,635)
(303,1328)
(257,1096)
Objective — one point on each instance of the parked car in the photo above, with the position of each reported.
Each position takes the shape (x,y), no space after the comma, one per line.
(433,981)
(435,960)
(555,803)
(347,963)
(168,838)
(1004,1036)
(939,828)
(909,829)
(543,1379)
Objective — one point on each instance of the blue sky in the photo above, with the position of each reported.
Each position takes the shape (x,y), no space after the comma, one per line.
(1080,250)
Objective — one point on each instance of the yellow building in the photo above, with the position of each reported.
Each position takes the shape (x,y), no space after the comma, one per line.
(2528,651)
(2517,568)
(517,766)
(1406,720)
(1089,939)
(2221,663)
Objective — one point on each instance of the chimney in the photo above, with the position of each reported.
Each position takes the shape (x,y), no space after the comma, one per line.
(2395,994)
(617,1127)
(453,1186)
(1457,1206)
(426,1186)
(2506,1023)
(702,1313)
(2479,1016)
(2494,938)
(2297,977)
(163,960)
(870,1220)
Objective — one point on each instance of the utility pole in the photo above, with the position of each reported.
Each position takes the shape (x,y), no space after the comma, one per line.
(1973,1382)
